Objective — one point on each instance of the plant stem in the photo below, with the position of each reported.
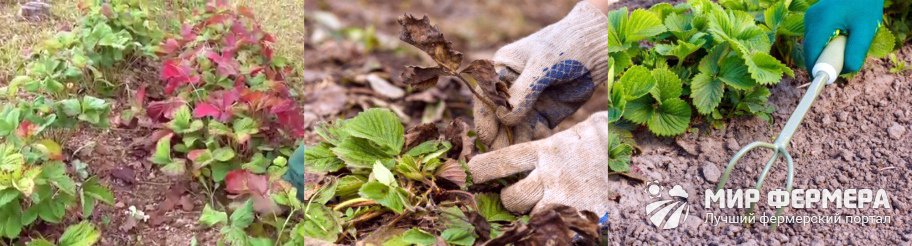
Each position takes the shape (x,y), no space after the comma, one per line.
(285,225)
(488,103)
(363,218)
(352,202)
(483,99)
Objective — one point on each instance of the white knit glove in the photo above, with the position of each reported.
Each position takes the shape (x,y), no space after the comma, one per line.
(569,168)
(550,73)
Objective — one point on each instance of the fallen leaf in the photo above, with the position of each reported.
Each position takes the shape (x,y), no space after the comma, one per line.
(124,174)
(384,88)
(128,224)
(326,100)
(419,134)
(553,225)
(457,133)
(421,34)
(186,203)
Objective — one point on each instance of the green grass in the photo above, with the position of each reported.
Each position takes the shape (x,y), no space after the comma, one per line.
(19,35)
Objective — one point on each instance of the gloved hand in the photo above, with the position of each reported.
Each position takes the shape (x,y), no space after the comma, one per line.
(569,168)
(295,172)
(859,19)
(550,73)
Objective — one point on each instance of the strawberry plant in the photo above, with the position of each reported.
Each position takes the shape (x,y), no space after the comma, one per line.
(33,178)
(711,57)
(83,233)
(227,106)
(366,168)
(109,34)
(898,19)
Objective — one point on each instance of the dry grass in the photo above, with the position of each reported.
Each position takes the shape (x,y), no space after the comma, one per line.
(18,36)
(284,19)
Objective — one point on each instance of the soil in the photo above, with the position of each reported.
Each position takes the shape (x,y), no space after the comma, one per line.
(855,136)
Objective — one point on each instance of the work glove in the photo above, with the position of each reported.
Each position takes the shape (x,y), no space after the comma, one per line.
(568,168)
(550,74)
(858,19)
(295,172)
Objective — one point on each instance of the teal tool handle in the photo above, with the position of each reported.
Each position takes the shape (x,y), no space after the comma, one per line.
(825,71)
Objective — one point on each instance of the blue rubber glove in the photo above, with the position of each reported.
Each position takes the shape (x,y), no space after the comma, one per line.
(295,172)
(857,19)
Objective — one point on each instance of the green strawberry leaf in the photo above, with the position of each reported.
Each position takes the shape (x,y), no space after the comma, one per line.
(243,216)
(458,236)
(490,208)
(671,118)
(82,234)
(640,110)
(636,82)
(765,69)
(320,159)
(381,127)
(383,175)
(394,198)
(706,93)
(211,217)
(882,44)
(361,153)
(162,155)
(320,223)
(668,85)
(96,190)
(734,73)
(618,154)
(413,236)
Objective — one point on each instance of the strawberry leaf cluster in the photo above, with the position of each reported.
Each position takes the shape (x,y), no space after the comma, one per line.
(226,104)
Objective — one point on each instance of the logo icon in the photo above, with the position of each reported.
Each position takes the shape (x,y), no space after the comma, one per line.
(660,212)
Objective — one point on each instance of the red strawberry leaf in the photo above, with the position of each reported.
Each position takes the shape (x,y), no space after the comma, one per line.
(241,182)
(204,109)
(170,46)
(26,129)
(164,110)
(226,64)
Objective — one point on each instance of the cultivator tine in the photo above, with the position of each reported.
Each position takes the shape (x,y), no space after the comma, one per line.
(777,151)
(734,160)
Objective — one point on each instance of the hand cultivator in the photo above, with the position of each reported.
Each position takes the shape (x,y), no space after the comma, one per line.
(825,72)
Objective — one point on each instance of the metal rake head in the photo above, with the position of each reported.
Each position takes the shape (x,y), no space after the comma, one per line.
(778,149)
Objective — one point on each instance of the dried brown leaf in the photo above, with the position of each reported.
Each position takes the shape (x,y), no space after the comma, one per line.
(421,34)
(419,134)
(482,73)
(124,174)
(452,171)
(422,78)
(457,133)
(554,225)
